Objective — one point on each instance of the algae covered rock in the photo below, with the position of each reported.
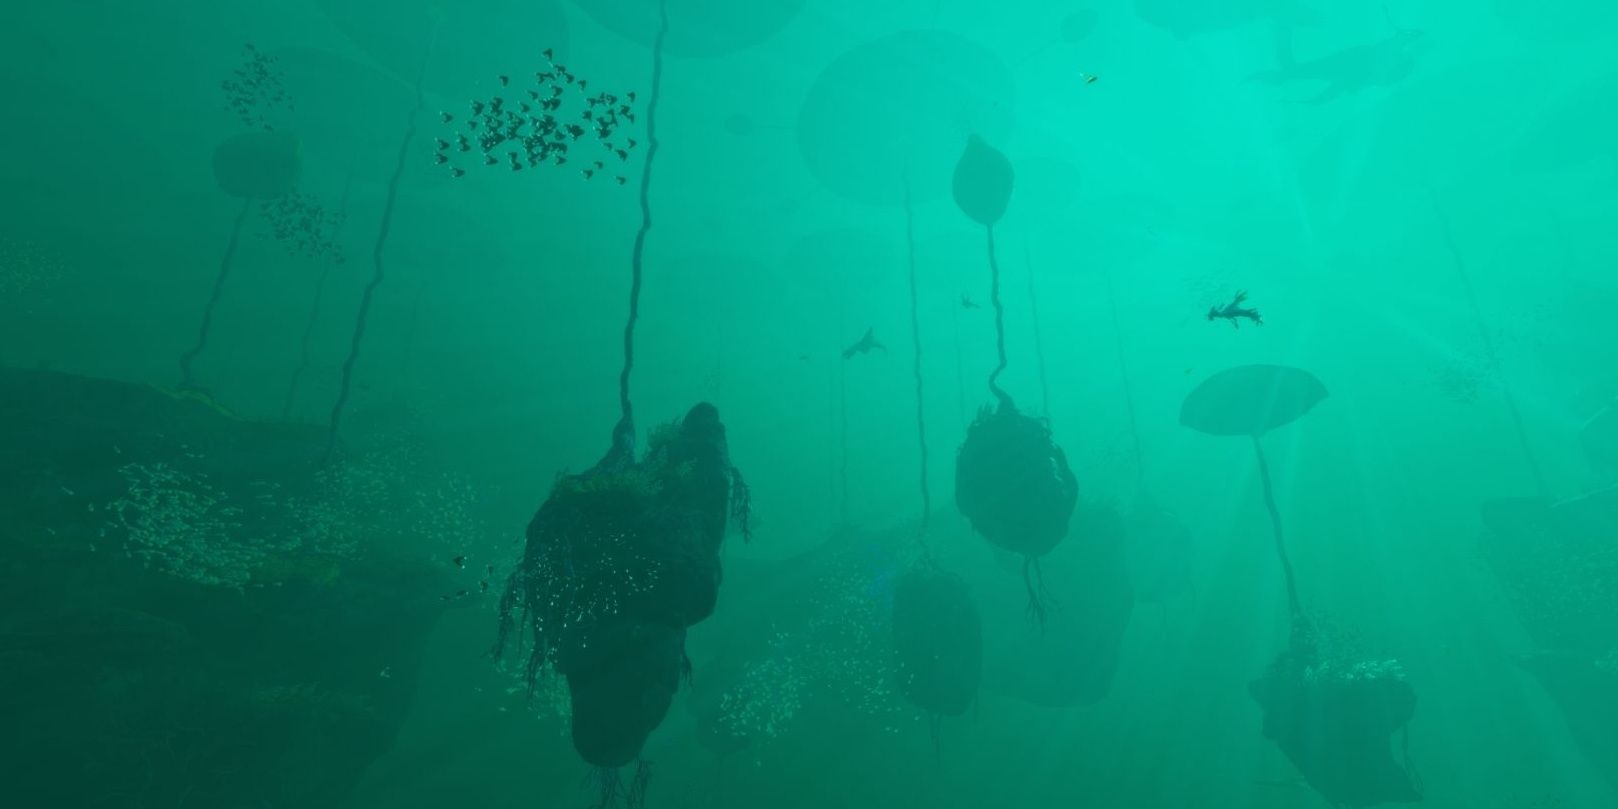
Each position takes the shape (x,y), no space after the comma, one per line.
(182,631)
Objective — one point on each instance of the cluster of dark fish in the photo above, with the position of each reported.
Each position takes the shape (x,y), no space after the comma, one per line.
(304,226)
(254,89)
(534,129)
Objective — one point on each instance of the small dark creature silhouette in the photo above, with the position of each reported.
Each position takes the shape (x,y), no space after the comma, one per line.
(864,346)
(968,303)
(1234,312)
(1382,63)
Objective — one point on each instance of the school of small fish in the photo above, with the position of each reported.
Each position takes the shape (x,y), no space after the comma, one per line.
(254,89)
(537,130)
(304,226)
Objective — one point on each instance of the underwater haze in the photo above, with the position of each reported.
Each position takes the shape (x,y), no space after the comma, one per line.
(809,404)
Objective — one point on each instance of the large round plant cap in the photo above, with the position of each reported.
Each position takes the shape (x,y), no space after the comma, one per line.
(1251,400)
(937,641)
(888,117)
(983,181)
(696,27)
(258,165)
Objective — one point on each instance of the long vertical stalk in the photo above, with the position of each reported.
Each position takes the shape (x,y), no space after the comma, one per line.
(1296,609)
(915,337)
(1039,342)
(314,311)
(624,433)
(960,368)
(1489,353)
(1006,404)
(188,357)
(842,415)
(378,268)
(1128,390)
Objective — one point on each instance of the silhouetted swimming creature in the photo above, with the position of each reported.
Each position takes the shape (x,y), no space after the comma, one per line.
(460,561)
(1234,312)
(1352,69)
(968,303)
(864,346)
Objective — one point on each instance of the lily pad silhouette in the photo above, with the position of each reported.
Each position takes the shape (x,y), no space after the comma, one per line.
(983,182)
(1251,400)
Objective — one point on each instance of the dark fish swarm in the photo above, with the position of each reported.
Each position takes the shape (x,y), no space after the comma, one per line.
(559,120)
(254,90)
(304,226)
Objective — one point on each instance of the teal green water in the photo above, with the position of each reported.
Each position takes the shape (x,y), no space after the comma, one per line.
(1416,197)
